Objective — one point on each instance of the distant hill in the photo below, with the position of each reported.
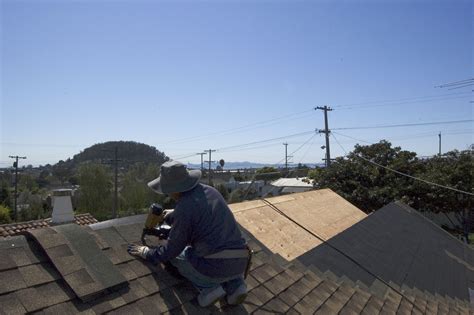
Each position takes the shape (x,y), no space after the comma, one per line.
(128,152)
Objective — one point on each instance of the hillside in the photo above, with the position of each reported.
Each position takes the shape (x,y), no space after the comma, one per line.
(128,154)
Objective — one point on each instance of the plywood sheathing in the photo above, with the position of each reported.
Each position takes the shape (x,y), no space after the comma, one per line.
(322,212)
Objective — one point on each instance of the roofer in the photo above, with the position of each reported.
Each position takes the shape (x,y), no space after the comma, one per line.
(204,239)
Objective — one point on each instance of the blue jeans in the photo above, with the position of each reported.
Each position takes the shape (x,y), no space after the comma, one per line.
(203,282)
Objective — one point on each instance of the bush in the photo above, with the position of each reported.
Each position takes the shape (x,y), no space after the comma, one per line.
(4,215)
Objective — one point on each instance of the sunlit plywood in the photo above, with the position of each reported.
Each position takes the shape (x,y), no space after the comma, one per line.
(322,212)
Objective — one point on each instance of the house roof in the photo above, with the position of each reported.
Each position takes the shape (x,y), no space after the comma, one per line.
(292,182)
(36,278)
(18,227)
(320,211)
(403,247)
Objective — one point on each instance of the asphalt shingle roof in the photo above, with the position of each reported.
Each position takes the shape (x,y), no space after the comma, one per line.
(30,283)
(400,246)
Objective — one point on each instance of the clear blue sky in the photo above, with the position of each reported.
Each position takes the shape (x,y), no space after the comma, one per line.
(75,73)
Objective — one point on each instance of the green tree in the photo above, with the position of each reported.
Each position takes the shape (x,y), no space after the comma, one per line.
(28,183)
(223,191)
(135,194)
(370,187)
(95,194)
(4,215)
(5,195)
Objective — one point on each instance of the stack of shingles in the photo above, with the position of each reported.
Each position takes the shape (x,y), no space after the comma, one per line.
(16,228)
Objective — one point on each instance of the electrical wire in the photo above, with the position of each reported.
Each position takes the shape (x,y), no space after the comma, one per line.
(402,103)
(351,259)
(266,140)
(433,97)
(248,127)
(403,174)
(408,124)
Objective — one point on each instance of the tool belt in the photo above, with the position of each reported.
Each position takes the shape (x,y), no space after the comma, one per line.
(234,253)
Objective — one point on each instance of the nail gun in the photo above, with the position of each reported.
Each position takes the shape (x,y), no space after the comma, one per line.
(154,224)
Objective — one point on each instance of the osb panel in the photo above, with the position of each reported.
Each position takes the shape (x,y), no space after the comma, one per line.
(323,212)
(276,232)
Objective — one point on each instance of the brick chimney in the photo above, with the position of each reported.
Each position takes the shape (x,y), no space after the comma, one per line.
(62,206)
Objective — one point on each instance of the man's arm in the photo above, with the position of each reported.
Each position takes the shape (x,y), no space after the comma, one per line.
(178,239)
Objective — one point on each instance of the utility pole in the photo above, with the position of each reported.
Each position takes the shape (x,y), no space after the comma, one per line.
(439,135)
(326,131)
(286,155)
(210,161)
(202,162)
(115,161)
(15,164)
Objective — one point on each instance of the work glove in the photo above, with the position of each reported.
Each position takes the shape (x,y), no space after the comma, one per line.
(138,250)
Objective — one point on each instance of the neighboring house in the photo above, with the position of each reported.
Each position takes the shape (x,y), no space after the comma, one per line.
(71,269)
(291,185)
(18,227)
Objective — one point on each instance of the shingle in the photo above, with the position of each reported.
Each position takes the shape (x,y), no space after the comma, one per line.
(278,284)
(19,256)
(289,297)
(11,280)
(139,268)
(6,262)
(43,296)
(264,273)
(373,306)
(304,307)
(126,271)
(118,254)
(153,304)
(37,274)
(130,233)
(68,264)
(276,305)
(106,303)
(262,294)
(251,282)
(358,301)
(150,284)
(11,305)
(48,237)
(111,236)
(133,292)
(127,310)
(62,250)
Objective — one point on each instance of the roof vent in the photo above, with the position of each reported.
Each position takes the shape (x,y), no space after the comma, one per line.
(62,206)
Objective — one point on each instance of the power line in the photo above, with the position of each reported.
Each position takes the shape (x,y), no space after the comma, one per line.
(431,97)
(408,124)
(403,103)
(248,127)
(403,174)
(266,140)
